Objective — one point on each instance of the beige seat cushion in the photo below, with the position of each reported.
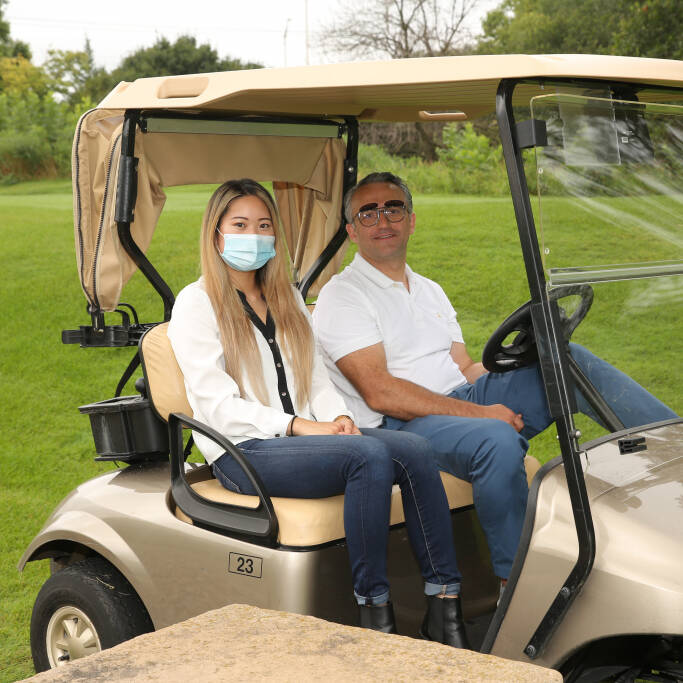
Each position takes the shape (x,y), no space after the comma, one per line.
(310,522)
(165,382)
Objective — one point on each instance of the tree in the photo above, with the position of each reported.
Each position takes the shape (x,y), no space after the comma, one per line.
(168,59)
(163,58)
(74,75)
(551,26)
(638,28)
(651,28)
(9,47)
(18,76)
(400,28)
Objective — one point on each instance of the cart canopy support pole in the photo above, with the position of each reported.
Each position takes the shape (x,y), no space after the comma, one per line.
(554,366)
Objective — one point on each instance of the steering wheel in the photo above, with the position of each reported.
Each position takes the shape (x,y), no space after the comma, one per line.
(499,357)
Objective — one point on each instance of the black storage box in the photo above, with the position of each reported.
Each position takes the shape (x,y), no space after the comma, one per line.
(127,429)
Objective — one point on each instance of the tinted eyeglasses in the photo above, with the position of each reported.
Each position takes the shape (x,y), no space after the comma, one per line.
(394,210)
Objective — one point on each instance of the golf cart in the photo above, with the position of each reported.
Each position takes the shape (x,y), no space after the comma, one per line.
(596,587)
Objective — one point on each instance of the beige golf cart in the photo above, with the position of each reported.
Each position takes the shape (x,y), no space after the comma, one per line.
(597,585)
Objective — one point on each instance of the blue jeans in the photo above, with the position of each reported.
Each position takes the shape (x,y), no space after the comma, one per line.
(363,468)
(489,453)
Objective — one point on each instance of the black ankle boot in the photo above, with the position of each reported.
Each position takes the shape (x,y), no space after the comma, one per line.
(443,622)
(378,617)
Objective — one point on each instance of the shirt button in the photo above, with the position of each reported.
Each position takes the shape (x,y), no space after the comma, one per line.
(277,436)
(270,341)
(278,365)
(284,393)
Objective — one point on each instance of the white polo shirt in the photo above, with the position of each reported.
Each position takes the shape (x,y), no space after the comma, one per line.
(361,307)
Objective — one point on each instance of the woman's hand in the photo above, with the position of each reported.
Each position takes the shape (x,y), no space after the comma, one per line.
(341,425)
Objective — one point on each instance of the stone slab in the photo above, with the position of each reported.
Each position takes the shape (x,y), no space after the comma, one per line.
(239,642)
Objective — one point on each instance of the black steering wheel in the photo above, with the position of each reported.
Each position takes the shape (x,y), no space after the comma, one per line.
(499,357)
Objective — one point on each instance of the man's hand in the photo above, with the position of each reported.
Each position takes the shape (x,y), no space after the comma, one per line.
(501,412)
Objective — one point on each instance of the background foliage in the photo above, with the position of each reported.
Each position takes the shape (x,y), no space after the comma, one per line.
(638,28)
(40,103)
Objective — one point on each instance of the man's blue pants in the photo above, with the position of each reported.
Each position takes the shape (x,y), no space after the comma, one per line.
(489,453)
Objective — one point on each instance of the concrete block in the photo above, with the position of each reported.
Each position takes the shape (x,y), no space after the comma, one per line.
(239,642)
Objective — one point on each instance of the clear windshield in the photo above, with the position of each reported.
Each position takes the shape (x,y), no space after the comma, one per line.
(610,188)
(610,213)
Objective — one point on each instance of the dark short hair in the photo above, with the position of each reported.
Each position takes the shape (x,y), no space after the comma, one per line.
(372,178)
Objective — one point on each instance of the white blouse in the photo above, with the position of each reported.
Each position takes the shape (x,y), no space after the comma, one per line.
(213,394)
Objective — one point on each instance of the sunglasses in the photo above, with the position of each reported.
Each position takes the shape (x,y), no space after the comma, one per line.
(394,210)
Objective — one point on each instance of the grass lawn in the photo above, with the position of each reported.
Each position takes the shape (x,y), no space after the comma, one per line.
(468,244)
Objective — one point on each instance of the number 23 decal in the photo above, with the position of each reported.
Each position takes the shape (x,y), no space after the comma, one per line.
(246,565)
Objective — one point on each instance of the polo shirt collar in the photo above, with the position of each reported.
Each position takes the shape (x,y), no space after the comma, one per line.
(377,276)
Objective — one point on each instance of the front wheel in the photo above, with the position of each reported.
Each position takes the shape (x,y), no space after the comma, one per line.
(87,607)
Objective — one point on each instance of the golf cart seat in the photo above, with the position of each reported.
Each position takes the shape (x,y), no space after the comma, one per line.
(301,522)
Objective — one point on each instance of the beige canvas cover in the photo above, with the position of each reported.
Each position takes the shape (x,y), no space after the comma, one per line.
(307,173)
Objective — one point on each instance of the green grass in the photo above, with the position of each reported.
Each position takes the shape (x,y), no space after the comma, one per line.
(468,244)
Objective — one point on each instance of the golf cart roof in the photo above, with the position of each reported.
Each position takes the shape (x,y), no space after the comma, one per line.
(397,90)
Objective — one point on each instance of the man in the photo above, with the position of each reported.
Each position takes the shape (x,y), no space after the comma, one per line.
(395,351)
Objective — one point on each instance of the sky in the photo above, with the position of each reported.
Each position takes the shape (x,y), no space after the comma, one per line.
(271,32)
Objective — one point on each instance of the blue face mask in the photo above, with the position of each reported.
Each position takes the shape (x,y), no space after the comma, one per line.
(248,252)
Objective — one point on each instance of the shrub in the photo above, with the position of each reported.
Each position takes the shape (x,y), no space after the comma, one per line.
(423,177)
(25,155)
(477,166)
(36,133)
(467,164)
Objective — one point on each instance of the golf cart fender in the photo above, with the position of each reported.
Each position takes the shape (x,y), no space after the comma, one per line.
(72,531)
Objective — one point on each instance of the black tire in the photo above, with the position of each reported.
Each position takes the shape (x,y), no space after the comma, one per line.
(84,608)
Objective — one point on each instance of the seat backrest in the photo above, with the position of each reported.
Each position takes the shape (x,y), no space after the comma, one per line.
(165,383)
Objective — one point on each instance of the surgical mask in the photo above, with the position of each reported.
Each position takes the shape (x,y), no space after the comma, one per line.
(248,252)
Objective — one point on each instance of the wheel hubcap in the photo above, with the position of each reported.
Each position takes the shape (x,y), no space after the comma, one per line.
(70,635)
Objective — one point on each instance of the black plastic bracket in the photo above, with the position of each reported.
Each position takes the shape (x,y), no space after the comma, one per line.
(108,336)
(531,133)
(259,524)
(632,445)
(100,335)
(111,336)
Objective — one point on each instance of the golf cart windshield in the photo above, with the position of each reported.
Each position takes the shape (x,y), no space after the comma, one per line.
(610,188)
(609,214)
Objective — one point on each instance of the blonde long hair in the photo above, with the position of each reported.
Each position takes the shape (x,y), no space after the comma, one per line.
(294,333)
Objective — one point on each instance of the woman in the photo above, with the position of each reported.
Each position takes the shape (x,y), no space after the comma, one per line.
(244,343)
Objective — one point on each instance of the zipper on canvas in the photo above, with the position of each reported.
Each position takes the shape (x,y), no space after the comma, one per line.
(105,197)
(77,165)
